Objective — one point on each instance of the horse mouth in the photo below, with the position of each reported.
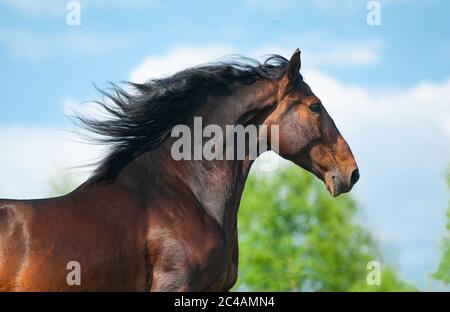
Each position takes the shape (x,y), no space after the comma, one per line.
(336,186)
(333,189)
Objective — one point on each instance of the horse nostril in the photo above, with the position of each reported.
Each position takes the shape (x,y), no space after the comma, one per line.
(355,177)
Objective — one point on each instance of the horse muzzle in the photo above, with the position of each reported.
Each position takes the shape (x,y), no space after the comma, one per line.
(338,183)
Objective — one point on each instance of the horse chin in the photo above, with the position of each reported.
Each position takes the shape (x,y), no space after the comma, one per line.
(334,187)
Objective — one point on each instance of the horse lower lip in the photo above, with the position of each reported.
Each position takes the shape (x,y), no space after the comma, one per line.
(335,189)
(332,189)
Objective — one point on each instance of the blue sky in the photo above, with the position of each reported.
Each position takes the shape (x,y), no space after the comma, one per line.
(387,86)
(412,42)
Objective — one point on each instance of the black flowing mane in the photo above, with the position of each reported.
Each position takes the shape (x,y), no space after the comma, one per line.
(142,118)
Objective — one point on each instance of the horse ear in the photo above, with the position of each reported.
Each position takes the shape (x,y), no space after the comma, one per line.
(294,65)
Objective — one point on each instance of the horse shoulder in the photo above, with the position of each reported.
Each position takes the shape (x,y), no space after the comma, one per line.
(14,242)
(184,240)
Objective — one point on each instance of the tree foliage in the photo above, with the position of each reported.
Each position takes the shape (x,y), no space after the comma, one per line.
(443,271)
(61,184)
(294,237)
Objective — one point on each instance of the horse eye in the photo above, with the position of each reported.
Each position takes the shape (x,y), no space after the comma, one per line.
(315,107)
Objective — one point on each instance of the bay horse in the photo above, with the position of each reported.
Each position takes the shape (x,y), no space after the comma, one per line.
(146,222)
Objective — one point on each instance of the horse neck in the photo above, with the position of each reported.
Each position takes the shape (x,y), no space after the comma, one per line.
(218,184)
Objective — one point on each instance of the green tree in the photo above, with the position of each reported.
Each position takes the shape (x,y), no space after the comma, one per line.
(443,272)
(294,236)
(61,184)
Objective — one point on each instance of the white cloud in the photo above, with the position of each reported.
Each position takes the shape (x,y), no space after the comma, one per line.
(269,4)
(328,52)
(177,59)
(36,154)
(23,43)
(320,51)
(425,102)
(353,6)
(120,3)
(36,7)
(339,6)
(91,43)
(58,7)
(347,53)
(31,45)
